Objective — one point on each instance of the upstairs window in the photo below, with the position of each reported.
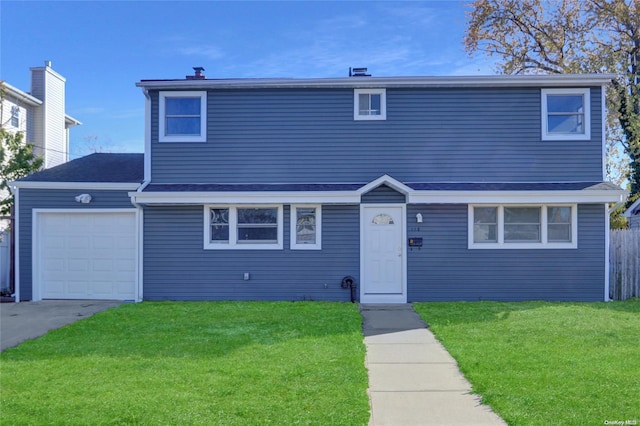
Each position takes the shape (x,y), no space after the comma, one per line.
(566,114)
(183,117)
(370,104)
(15,116)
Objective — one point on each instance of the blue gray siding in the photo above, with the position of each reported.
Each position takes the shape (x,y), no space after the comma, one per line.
(176,267)
(433,134)
(55,199)
(444,269)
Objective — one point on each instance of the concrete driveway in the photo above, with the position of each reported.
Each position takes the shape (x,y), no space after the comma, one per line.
(28,320)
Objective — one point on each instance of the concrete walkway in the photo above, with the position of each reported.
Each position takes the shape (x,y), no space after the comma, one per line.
(28,320)
(412,379)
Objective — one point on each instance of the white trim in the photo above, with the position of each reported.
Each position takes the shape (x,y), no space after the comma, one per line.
(16,238)
(254,197)
(586,97)
(233,243)
(388,181)
(293,227)
(603,129)
(356,104)
(202,137)
(116,186)
(559,80)
(140,254)
(383,298)
(515,197)
(147,135)
(542,244)
(36,285)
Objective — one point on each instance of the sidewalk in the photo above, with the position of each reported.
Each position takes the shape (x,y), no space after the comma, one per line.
(412,379)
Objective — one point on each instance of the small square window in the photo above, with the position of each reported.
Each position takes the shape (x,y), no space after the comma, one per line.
(370,104)
(183,117)
(306,227)
(566,114)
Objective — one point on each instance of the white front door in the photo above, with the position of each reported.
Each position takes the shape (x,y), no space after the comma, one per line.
(383,267)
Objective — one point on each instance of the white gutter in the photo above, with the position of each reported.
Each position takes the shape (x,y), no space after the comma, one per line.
(559,80)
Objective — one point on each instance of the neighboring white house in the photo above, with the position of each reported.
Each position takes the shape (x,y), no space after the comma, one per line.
(40,115)
(633,215)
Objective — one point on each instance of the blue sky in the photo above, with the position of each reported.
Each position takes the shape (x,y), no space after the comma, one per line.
(104,48)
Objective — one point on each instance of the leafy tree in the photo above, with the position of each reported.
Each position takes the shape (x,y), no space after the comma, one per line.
(16,161)
(572,36)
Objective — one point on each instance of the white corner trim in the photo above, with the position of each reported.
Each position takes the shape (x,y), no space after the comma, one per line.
(147,135)
(607,233)
(16,261)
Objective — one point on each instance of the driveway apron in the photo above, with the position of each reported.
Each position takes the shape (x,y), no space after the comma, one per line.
(412,379)
(28,320)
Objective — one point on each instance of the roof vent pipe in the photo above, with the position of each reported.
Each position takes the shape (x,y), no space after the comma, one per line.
(198,75)
(358,72)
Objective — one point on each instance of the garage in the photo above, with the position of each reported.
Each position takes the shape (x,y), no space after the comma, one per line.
(85,255)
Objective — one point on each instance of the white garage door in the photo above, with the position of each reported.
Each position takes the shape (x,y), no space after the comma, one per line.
(85,255)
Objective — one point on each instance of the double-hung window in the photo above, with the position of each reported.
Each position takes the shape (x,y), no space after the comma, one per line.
(306,227)
(566,114)
(183,117)
(15,116)
(243,227)
(520,227)
(370,104)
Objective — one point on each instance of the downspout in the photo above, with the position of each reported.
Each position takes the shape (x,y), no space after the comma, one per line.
(132,195)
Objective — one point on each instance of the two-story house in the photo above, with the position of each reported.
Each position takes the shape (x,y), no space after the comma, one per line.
(384,189)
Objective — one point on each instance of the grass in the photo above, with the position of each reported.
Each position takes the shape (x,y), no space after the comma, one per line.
(189,363)
(539,363)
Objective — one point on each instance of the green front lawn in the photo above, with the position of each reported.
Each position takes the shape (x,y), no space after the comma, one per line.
(166,363)
(540,363)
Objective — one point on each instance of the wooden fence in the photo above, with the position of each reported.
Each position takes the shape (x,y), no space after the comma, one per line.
(624,264)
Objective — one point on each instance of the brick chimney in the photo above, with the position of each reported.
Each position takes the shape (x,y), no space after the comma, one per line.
(198,75)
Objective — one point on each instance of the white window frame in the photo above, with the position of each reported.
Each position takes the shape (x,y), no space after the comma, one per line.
(383,104)
(15,116)
(542,244)
(163,137)
(586,97)
(233,243)
(293,227)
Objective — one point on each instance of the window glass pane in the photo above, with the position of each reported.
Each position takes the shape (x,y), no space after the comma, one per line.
(257,234)
(182,106)
(183,126)
(522,215)
(559,214)
(363,103)
(219,224)
(306,226)
(258,216)
(565,103)
(485,233)
(565,124)
(382,219)
(521,233)
(375,104)
(485,215)
(559,233)
(522,224)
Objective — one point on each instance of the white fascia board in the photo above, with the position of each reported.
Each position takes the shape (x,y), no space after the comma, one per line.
(560,80)
(70,121)
(122,186)
(331,197)
(515,197)
(388,181)
(19,95)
